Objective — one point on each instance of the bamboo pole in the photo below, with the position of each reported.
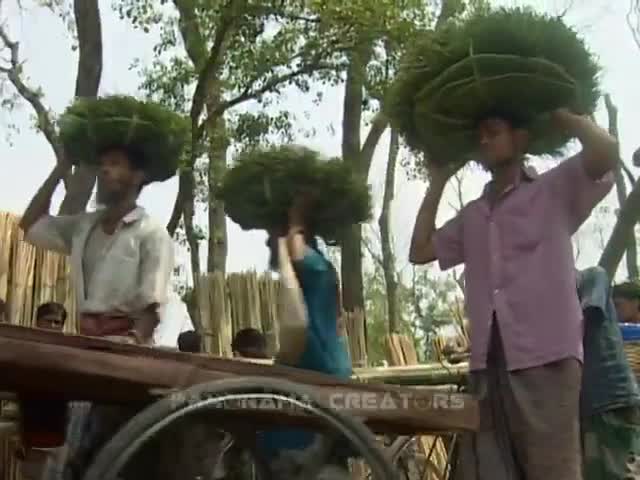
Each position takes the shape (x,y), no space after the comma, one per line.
(268,292)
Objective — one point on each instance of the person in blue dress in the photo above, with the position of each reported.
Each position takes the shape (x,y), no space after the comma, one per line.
(312,339)
(610,397)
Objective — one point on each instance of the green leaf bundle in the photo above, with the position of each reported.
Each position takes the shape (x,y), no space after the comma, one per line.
(514,61)
(261,187)
(90,126)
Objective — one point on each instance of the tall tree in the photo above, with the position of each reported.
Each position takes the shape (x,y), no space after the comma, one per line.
(631,252)
(384,28)
(214,56)
(87,27)
(629,214)
(386,236)
(370,70)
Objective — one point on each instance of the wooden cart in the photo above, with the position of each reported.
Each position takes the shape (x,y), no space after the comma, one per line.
(168,385)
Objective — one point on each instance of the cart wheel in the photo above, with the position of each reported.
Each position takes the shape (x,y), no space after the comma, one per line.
(424,466)
(112,459)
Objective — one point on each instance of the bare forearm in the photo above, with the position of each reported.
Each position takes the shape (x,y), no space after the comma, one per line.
(145,323)
(296,243)
(41,202)
(599,148)
(421,250)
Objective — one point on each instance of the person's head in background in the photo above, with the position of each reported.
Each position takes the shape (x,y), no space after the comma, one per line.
(3,311)
(626,297)
(51,316)
(249,343)
(190,342)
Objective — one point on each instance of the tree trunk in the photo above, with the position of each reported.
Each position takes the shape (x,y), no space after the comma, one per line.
(351,265)
(384,222)
(219,144)
(627,219)
(89,28)
(621,190)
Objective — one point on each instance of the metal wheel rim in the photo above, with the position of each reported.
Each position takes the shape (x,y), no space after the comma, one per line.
(210,404)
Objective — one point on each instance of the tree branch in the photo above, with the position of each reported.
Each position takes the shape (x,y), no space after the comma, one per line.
(378,125)
(31,95)
(634,11)
(213,63)
(89,31)
(628,217)
(269,86)
(194,42)
(628,173)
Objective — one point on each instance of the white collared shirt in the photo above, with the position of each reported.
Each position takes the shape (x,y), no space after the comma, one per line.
(133,272)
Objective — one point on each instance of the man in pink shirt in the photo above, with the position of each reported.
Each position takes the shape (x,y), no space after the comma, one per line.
(525,317)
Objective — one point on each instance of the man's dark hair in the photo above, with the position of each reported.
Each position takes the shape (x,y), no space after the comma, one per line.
(627,291)
(52,308)
(250,343)
(3,310)
(136,158)
(513,119)
(190,341)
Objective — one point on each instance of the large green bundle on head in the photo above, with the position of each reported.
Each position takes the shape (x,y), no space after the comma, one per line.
(260,189)
(158,135)
(514,62)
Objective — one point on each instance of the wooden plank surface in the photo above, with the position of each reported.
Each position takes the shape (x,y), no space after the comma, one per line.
(72,367)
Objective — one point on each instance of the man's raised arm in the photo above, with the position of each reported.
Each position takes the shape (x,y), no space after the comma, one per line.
(422,249)
(41,229)
(425,248)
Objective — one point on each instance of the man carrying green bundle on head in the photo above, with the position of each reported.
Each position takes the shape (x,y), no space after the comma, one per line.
(310,197)
(122,260)
(515,239)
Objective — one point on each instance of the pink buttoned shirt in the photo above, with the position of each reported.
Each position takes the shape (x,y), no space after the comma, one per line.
(519,264)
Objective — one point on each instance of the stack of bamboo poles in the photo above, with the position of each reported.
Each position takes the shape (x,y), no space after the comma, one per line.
(241,301)
(353,326)
(401,352)
(29,277)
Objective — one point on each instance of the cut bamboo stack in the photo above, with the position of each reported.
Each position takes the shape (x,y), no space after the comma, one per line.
(215,314)
(29,277)
(402,353)
(242,300)
(354,324)
(269,289)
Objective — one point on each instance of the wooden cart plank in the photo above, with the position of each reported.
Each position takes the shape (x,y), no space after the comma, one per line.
(68,367)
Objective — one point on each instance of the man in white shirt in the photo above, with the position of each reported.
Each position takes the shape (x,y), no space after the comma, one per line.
(121,259)
(121,263)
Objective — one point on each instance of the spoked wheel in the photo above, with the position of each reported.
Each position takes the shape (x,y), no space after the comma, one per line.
(215,398)
(422,462)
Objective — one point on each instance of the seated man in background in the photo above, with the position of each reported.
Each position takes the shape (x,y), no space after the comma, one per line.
(3,311)
(610,397)
(626,298)
(249,343)
(43,421)
(190,342)
(51,316)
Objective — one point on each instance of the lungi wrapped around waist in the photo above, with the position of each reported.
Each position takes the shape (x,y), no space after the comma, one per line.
(105,325)
(44,423)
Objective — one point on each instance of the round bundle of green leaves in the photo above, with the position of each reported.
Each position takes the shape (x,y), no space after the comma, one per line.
(261,187)
(90,126)
(513,61)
